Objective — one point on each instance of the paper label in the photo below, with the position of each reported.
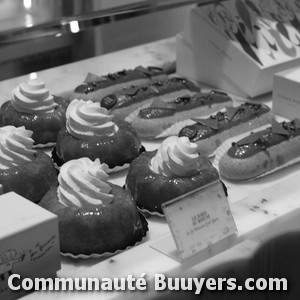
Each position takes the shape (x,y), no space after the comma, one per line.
(199,219)
(286,100)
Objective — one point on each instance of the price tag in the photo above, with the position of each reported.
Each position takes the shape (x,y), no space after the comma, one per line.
(199,219)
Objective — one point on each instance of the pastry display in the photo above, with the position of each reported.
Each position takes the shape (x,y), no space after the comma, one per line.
(156,120)
(34,107)
(23,170)
(262,152)
(96,87)
(209,133)
(161,175)
(91,132)
(95,216)
(198,135)
(123,103)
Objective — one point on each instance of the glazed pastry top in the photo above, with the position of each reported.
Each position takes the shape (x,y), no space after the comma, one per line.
(83,182)
(94,82)
(264,139)
(87,119)
(15,146)
(136,94)
(233,116)
(160,109)
(33,97)
(176,157)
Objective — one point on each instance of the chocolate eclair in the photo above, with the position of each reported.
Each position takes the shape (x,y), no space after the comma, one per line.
(96,87)
(123,103)
(209,133)
(161,119)
(262,152)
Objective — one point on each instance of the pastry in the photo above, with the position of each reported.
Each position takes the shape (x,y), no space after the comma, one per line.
(91,132)
(156,120)
(96,87)
(209,133)
(95,216)
(23,170)
(123,103)
(34,107)
(262,151)
(173,170)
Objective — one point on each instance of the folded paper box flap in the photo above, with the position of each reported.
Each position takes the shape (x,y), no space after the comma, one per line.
(244,45)
(286,90)
(29,241)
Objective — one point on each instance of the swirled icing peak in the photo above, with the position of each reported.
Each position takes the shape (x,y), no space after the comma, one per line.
(84,182)
(176,157)
(15,146)
(87,119)
(33,97)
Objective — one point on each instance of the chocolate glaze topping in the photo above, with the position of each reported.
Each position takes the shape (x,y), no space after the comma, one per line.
(94,82)
(135,94)
(233,116)
(264,139)
(183,103)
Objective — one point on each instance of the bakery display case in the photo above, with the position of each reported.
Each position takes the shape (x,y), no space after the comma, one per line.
(265,210)
(36,35)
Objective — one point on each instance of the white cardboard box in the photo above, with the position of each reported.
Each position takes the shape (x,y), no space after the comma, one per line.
(29,242)
(247,43)
(286,93)
(194,65)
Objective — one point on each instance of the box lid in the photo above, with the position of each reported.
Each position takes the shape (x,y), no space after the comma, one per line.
(261,31)
(18,213)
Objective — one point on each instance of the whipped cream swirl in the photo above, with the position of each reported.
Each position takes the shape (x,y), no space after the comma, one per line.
(33,97)
(176,157)
(15,146)
(83,182)
(87,119)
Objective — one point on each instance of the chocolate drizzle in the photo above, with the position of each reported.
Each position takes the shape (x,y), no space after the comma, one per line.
(185,103)
(91,77)
(225,120)
(231,112)
(132,91)
(183,100)
(154,89)
(149,71)
(279,128)
(94,82)
(136,94)
(264,139)
(155,112)
(209,122)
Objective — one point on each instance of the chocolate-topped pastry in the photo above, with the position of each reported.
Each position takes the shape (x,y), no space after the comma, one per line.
(96,87)
(262,151)
(209,133)
(160,119)
(123,103)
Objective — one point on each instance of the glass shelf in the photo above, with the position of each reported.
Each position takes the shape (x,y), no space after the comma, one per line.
(22,20)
